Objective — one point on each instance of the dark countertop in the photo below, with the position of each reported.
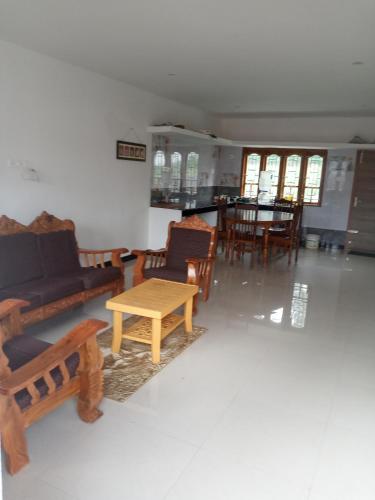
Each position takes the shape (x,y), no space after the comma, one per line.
(200,208)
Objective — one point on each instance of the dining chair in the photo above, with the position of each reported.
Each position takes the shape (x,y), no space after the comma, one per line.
(242,230)
(290,237)
(283,205)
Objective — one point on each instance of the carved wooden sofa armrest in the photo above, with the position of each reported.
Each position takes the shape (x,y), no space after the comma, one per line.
(200,272)
(153,258)
(81,339)
(10,317)
(96,258)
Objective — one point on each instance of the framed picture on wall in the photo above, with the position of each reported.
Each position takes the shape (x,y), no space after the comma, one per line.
(130,151)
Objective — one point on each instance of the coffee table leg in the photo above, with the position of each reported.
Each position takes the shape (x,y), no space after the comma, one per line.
(189,315)
(117,331)
(156,340)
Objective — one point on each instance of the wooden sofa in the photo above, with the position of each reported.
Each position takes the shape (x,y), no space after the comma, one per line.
(41,264)
(36,377)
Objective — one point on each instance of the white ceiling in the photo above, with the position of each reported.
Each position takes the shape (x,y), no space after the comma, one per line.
(235,56)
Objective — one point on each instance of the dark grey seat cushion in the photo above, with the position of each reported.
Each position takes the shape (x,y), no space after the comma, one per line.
(23,348)
(58,253)
(21,292)
(43,291)
(19,259)
(185,244)
(166,273)
(93,277)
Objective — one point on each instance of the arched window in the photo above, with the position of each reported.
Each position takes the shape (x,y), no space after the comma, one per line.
(251,179)
(175,178)
(273,166)
(191,177)
(297,174)
(157,169)
(313,179)
(292,176)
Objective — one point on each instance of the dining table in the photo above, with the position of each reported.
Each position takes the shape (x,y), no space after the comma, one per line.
(264,220)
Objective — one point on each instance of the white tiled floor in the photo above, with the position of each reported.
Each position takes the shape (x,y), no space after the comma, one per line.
(276,401)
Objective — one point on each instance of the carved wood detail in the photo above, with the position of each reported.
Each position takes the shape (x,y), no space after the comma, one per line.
(46,223)
(61,305)
(11,226)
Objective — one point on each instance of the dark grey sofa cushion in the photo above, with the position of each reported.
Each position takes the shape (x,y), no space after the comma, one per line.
(58,253)
(19,259)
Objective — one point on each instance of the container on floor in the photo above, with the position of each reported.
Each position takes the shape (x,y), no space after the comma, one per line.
(312,241)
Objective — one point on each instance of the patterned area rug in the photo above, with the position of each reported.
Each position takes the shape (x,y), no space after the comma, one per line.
(127,371)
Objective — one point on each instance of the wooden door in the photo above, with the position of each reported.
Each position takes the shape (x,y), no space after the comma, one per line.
(361,228)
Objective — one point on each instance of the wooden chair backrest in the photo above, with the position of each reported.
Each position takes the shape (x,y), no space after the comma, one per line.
(283,205)
(222,207)
(197,224)
(246,211)
(242,231)
(293,229)
(44,223)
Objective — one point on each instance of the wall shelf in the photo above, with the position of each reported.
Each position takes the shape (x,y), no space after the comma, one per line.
(187,135)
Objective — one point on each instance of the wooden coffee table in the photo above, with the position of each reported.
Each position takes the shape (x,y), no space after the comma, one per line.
(154,300)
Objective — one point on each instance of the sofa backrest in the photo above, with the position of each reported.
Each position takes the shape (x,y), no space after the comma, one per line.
(19,259)
(58,253)
(47,247)
(185,244)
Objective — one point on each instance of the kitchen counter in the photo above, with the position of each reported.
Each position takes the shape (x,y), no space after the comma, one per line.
(186,209)
(161,213)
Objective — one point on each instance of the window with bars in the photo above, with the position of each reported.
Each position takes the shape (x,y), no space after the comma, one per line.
(157,171)
(175,178)
(251,177)
(313,179)
(296,174)
(273,166)
(191,176)
(292,177)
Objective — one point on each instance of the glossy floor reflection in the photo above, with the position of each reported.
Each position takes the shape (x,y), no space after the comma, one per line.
(276,401)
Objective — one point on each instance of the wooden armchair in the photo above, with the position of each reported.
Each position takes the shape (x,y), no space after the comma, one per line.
(188,257)
(36,377)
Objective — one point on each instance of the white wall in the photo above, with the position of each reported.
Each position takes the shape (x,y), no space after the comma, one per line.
(337,189)
(310,129)
(228,171)
(64,122)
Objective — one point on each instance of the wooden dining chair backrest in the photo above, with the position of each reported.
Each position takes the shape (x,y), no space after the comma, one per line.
(284,205)
(297,220)
(222,207)
(246,211)
(293,229)
(243,226)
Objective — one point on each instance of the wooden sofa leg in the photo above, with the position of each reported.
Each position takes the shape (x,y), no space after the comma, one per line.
(91,379)
(206,288)
(13,435)
(195,304)
(120,287)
